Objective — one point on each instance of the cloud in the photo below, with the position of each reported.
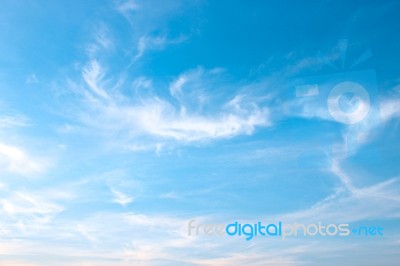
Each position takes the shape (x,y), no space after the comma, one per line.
(353,204)
(251,258)
(191,79)
(25,203)
(127,6)
(162,118)
(367,130)
(121,198)
(151,43)
(176,87)
(121,186)
(159,118)
(28,213)
(15,160)
(142,83)
(379,111)
(101,40)
(390,108)
(11,121)
(92,74)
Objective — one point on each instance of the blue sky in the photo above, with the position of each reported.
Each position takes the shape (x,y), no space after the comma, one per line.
(120,121)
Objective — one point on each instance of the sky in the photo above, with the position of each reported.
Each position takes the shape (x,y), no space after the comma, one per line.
(121,121)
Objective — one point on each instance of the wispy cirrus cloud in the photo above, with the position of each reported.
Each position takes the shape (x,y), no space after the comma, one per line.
(390,105)
(127,6)
(153,115)
(353,204)
(25,203)
(148,43)
(102,40)
(93,74)
(12,121)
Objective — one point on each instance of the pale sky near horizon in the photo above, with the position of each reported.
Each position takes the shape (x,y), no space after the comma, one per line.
(121,121)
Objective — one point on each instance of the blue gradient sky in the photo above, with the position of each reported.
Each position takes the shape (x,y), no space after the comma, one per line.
(120,121)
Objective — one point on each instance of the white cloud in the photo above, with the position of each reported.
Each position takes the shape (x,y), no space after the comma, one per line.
(93,74)
(342,175)
(25,203)
(353,204)
(148,43)
(250,258)
(192,79)
(102,40)
(122,186)
(161,118)
(390,108)
(128,6)
(142,83)
(176,86)
(10,121)
(354,136)
(15,160)
(121,198)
